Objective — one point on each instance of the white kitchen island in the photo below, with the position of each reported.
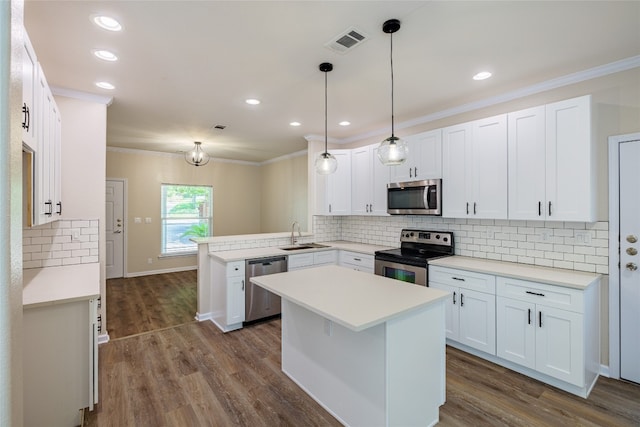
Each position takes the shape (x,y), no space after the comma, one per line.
(369,349)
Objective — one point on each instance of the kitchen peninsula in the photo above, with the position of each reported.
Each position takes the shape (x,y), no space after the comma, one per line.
(369,349)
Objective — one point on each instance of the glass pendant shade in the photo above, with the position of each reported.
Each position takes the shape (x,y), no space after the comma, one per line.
(326,164)
(196,156)
(393,151)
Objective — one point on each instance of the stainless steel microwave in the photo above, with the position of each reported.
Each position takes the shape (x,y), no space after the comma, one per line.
(415,197)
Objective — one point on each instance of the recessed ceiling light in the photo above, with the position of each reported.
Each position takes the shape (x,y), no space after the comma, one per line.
(105,55)
(252,101)
(105,85)
(106,22)
(344,123)
(482,75)
(295,124)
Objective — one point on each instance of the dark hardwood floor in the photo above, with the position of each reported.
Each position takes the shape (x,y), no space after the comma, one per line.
(147,303)
(194,375)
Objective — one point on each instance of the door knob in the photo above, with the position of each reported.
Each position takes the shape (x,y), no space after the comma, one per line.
(632,251)
(631,266)
(631,238)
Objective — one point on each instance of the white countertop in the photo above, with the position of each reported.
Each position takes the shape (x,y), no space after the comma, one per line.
(57,285)
(242,254)
(353,299)
(552,276)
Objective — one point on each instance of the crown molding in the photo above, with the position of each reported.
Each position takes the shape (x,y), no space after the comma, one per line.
(175,155)
(82,96)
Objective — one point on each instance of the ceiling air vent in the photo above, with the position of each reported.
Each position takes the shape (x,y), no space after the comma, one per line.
(347,40)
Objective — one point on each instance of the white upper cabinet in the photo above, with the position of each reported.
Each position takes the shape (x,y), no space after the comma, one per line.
(29,77)
(333,191)
(424,160)
(369,179)
(551,162)
(474,169)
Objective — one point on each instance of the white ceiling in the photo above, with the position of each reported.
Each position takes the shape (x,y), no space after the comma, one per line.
(186,66)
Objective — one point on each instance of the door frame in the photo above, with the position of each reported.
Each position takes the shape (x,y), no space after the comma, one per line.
(125,234)
(614,255)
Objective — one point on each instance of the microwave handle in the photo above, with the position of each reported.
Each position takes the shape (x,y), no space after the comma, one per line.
(427,196)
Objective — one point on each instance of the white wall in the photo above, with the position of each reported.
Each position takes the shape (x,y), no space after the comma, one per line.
(84,145)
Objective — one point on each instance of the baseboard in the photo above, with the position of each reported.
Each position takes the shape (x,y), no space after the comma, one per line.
(103,339)
(604,371)
(203,316)
(163,271)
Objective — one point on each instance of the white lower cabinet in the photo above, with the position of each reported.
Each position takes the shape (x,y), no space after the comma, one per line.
(357,261)
(546,331)
(533,332)
(60,361)
(470,312)
(311,259)
(227,294)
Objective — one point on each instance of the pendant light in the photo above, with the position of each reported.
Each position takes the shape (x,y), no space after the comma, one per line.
(393,150)
(325,163)
(196,156)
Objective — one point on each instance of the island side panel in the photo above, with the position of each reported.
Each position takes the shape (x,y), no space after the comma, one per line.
(416,365)
(343,370)
(204,283)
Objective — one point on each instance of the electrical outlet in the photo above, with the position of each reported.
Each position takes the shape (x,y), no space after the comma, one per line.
(582,237)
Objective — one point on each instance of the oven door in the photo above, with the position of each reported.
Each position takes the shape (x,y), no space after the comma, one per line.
(399,271)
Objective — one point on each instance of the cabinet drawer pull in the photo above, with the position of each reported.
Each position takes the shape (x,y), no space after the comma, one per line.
(458,278)
(529,317)
(357,259)
(540,319)
(535,293)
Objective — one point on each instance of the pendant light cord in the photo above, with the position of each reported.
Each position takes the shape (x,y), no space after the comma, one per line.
(392,112)
(325,112)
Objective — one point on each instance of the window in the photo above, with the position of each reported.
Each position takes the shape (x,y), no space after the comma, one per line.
(186,213)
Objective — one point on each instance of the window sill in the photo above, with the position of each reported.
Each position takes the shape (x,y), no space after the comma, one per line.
(178,254)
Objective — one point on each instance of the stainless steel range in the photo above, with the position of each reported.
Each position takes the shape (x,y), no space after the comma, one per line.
(409,262)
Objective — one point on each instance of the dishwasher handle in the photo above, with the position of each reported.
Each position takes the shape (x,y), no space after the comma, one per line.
(266,261)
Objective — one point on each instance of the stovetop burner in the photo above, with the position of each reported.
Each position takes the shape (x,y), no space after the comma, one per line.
(418,246)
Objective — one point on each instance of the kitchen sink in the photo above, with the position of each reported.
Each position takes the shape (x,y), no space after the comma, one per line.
(304,246)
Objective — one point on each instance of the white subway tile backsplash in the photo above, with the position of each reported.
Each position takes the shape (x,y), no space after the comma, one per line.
(52,245)
(548,243)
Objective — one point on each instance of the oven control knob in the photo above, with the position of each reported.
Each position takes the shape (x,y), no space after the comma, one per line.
(446,239)
(437,236)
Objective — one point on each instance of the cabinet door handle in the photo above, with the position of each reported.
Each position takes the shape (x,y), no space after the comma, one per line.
(539,208)
(329,207)
(461,299)
(549,208)
(540,319)
(415,172)
(535,293)
(243,285)
(458,278)
(467,208)
(474,208)
(529,316)
(59,205)
(49,204)
(410,173)
(27,117)
(454,298)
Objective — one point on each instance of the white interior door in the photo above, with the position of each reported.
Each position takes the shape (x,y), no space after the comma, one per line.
(115,229)
(629,261)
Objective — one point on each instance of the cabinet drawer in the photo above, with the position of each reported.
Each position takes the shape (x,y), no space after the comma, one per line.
(300,261)
(325,257)
(235,268)
(464,279)
(356,259)
(541,293)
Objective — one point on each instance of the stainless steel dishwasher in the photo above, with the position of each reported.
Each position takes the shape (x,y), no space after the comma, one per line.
(258,302)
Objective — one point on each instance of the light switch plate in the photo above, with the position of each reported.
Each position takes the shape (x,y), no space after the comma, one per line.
(147,220)
(137,220)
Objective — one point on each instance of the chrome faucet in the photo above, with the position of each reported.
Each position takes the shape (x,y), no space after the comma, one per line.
(293,226)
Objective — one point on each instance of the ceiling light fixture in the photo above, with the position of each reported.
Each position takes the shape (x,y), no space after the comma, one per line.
(196,156)
(105,85)
(295,124)
(105,55)
(106,22)
(344,123)
(325,163)
(482,75)
(252,101)
(393,150)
